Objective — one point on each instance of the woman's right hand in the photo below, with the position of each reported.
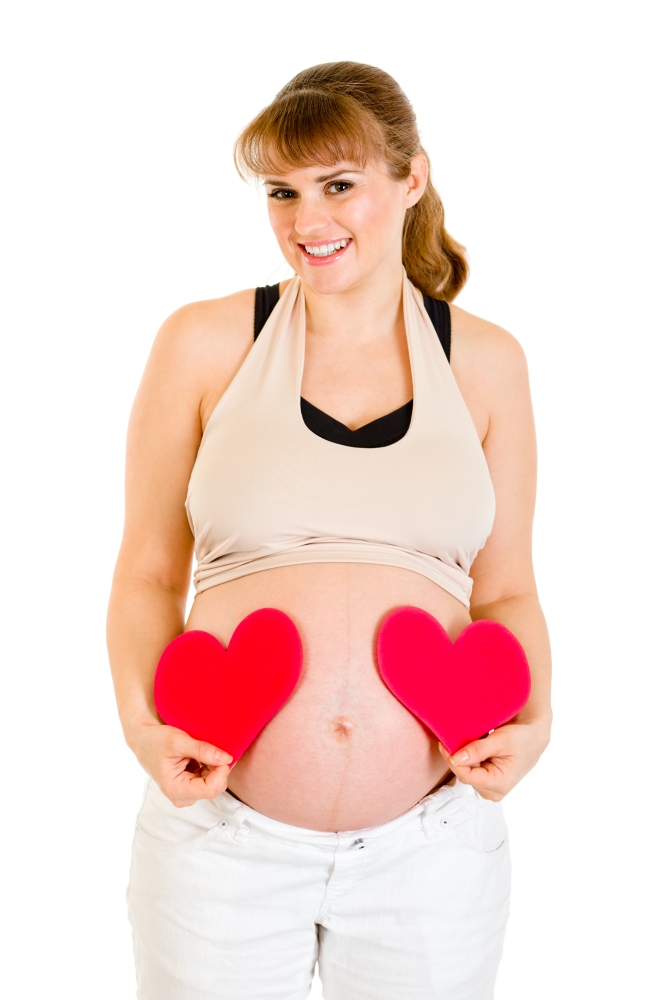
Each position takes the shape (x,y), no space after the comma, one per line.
(185,769)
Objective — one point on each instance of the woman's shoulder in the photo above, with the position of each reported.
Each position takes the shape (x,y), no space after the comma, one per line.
(207,336)
(489,366)
(221,325)
(482,348)
(200,347)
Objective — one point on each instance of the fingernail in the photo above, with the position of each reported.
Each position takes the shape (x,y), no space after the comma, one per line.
(222,757)
(460,758)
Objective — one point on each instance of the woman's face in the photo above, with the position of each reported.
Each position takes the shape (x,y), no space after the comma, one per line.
(338,226)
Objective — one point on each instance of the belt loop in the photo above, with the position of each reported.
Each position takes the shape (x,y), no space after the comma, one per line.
(237,815)
(428,823)
(428,827)
(431,805)
(242,833)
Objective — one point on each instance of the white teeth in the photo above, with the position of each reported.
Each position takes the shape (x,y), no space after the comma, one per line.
(326,248)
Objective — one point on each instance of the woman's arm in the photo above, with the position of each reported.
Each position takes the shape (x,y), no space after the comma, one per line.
(190,365)
(492,373)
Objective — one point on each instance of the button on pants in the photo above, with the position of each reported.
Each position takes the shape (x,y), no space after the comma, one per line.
(227,904)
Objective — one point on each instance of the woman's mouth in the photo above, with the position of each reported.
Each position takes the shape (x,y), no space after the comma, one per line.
(324,251)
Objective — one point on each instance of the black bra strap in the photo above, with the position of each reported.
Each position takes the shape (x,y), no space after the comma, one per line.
(266,298)
(440,317)
(265,301)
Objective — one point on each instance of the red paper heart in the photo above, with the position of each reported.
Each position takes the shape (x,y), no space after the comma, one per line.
(226,696)
(459,690)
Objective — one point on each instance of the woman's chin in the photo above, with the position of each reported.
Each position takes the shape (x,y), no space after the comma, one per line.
(332,279)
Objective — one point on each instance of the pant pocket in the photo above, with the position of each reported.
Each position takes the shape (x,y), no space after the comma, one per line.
(478,827)
(164,825)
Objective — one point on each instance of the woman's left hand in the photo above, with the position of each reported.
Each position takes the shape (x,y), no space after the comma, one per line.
(495,764)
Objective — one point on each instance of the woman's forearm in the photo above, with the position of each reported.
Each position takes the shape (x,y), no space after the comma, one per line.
(523,616)
(143,618)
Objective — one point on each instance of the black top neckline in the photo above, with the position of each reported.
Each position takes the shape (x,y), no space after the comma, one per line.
(383,431)
(379,433)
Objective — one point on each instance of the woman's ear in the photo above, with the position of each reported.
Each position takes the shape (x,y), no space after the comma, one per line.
(417,180)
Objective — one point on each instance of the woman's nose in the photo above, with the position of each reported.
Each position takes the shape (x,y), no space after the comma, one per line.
(311,218)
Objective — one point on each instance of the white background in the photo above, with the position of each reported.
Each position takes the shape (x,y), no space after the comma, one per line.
(120,203)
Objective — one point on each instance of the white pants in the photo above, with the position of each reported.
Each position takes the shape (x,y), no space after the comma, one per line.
(227,904)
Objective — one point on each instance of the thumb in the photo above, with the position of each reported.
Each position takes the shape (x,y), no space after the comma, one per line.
(475,753)
(204,753)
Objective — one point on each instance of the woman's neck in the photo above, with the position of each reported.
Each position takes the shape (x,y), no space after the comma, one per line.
(369,311)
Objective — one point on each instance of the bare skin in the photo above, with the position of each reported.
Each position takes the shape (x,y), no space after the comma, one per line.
(343,753)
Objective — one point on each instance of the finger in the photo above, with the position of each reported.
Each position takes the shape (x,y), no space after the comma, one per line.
(211,783)
(475,753)
(460,770)
(208,784)
(204,753)
(489,782)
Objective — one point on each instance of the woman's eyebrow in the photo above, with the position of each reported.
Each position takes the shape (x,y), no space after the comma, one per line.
(336,173)
(318,180)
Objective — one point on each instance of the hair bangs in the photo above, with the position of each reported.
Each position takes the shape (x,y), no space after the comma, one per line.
(307,127)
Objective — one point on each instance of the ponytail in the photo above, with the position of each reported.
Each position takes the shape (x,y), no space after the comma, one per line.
(434,261)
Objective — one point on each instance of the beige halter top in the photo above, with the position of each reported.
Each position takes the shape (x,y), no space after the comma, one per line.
(265,491)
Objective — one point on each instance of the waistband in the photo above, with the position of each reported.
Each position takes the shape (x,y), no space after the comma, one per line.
(449,798)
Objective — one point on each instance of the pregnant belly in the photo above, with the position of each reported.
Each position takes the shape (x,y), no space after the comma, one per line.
(343,753)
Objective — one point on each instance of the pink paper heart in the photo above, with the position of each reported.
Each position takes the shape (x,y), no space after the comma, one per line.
(459,690)
(226,696)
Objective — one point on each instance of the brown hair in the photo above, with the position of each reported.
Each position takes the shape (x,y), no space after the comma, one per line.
(351,111)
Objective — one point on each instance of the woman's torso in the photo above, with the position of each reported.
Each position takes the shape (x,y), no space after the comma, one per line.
(343,753)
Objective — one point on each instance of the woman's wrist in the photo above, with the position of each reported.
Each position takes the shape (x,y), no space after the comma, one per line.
(136,725)
(538,717)
(541,722)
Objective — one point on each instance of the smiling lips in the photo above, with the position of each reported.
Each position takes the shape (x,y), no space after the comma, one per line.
(324,252)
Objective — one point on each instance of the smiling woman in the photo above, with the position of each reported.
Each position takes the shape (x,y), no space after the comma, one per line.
(334,447)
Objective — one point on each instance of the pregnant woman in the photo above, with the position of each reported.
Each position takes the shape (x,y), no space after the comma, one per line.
(335,447)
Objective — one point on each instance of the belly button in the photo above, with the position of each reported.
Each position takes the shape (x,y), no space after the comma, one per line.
(342,729)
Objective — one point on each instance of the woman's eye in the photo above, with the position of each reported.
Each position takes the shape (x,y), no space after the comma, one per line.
(337,187)
(282,194)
